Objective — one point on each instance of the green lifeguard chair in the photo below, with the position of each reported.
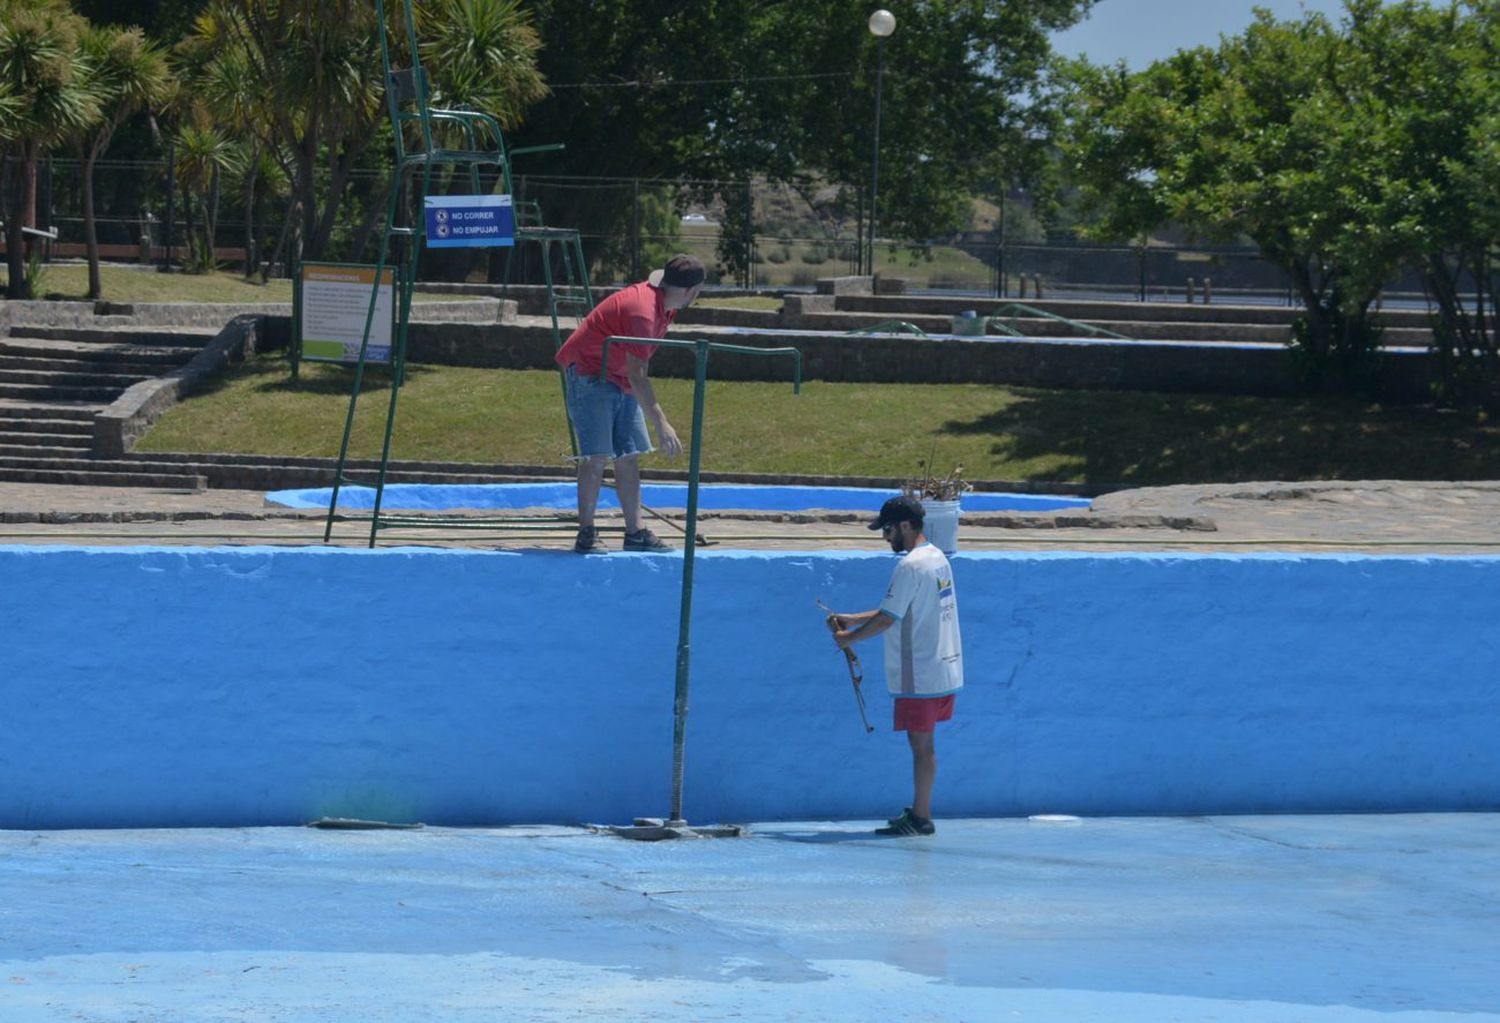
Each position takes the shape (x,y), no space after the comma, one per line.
(420,132)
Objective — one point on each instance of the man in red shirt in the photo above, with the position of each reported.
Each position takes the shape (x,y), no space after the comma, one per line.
(609,415)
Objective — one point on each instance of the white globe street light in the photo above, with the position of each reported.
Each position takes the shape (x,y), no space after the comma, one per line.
(882,23)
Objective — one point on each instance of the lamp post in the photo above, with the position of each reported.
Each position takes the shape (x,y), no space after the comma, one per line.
(882,23)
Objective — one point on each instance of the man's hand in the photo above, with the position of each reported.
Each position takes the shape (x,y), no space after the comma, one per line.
(844,638)
(667,437)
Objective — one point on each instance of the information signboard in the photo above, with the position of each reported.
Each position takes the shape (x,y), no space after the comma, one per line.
(334,301)
(469,221)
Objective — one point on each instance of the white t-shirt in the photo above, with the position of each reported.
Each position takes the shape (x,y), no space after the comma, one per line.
(923,651)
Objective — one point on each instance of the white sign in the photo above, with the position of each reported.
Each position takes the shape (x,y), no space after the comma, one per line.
(335,302)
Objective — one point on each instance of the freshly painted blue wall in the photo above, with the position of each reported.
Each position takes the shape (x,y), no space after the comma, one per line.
(174,686)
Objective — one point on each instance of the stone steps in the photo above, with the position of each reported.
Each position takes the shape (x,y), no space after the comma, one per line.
(73,411)
(55,379)
(89,367)
(102,352)
(71,378)
(41,473)
(42,445)
(156,337)
(40,426)
(34,392)
(1214,332)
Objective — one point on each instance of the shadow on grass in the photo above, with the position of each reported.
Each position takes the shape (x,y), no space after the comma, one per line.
(271,373)
(1116,437)
(325,378)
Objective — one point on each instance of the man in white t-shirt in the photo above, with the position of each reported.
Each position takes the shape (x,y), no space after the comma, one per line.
(924,661)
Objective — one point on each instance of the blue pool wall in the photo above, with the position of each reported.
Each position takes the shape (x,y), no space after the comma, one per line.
(245,686)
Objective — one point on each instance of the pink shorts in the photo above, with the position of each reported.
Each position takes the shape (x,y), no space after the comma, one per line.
(921,714)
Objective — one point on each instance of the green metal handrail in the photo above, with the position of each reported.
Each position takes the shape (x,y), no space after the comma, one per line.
(890,327)
(701,350)
(999,315)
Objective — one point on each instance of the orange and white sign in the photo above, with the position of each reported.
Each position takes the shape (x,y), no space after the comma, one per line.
(335,306)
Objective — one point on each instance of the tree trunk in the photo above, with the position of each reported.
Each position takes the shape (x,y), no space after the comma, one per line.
(211,219)
(90,232)
(279,253)
(252,257)
(187,218)
(11,186)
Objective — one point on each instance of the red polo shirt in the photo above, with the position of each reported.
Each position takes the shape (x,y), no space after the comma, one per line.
(635,311)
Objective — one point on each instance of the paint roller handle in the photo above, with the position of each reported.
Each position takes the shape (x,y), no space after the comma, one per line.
(856,672)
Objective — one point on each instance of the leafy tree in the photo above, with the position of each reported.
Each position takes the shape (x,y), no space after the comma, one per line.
(317,102)
(163,20)
(315,65)
(1342,151)
(129,74)
(52,97)
(203,154)
(1265,136)
(722,90)
(1434,94)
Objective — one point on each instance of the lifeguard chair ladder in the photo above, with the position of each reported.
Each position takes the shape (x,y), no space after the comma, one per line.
(416,127)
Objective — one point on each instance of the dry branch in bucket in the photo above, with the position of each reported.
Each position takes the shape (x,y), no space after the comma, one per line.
(936,488)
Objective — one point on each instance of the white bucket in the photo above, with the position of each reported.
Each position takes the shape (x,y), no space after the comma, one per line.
(969,324)
(941,525)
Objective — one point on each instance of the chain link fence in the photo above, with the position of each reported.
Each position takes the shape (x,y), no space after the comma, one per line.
(760,236)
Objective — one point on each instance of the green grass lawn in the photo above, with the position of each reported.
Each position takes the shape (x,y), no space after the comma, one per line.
(132,284)
(765,303)
(141,284)
(1097,437)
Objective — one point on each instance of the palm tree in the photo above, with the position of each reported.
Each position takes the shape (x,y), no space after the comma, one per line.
(315,69)
(312,70)
(131,74)
(226,90)
(52,97)
(203,155)
(481,55)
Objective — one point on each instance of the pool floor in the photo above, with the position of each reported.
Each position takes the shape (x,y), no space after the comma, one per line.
(1346,919)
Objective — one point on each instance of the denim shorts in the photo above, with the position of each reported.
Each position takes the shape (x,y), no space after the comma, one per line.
(606,420)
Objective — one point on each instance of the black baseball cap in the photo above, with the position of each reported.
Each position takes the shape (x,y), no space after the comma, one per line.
(901,508)
(681,271)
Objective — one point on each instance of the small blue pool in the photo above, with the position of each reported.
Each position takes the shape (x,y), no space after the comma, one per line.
(717,496)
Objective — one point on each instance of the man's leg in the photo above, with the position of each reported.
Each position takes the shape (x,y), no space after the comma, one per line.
(590,478)
(924,770)
(628,488)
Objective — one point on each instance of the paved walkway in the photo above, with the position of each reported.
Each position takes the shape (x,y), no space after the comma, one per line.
(1235,920)
(1374,516)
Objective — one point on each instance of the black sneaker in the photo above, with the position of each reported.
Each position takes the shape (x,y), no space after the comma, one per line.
(644,540)
(589,542)
(907,825)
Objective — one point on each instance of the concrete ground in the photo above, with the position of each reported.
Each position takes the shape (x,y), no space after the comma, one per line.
(1375,516)
(1237,920)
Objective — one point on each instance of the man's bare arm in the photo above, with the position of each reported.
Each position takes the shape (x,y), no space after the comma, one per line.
(868,625)
(645,396)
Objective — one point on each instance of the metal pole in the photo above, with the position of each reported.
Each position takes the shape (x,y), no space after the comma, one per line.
(635,230)
(875,156)
(684,627)
(1002,289)
(166,259)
